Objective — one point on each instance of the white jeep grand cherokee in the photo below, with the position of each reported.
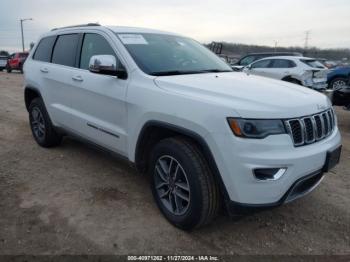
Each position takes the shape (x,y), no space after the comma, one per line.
(208,137)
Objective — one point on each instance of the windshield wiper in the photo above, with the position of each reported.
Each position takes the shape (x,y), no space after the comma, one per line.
(173,72)
(216,71)
(180,72)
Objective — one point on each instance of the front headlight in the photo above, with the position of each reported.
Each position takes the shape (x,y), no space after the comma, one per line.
(256,128)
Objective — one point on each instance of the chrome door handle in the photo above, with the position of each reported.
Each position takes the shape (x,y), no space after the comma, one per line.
(44,70)
(77,78)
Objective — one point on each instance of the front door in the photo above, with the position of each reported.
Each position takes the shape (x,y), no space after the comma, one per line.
(98,101)
(260,68)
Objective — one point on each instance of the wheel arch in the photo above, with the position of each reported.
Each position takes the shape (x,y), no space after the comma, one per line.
(345,76)
(30,93)
(154,131)
(290,77)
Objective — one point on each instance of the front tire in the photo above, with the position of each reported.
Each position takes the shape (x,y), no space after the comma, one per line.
(41,125)
(183,185)
(337,83)
(8,69)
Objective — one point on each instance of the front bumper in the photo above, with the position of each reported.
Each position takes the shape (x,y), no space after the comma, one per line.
(300,188)
(236,159)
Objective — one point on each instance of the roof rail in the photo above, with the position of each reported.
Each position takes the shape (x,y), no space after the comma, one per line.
(72,26)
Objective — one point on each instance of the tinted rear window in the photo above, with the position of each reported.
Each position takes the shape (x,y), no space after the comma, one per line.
(44,50)
(312,63)
(65,50)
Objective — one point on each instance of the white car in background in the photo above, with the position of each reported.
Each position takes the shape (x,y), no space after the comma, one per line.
(299,70)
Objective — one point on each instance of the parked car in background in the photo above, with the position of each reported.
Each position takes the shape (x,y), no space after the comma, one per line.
(341,96)
(250,58)
(3,59)
(298,70)
(338,77)
(16,61)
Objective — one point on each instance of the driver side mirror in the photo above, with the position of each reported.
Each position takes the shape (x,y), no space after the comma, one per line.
(106,65)
(249,67)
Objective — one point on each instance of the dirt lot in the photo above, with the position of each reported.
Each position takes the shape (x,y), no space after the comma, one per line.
(76,200)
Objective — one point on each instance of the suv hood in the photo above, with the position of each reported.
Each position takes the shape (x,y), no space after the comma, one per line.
(247,95)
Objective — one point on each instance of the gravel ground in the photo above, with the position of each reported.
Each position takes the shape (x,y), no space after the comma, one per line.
(75,200)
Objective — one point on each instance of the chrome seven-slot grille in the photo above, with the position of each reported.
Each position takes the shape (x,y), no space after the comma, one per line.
(310,129)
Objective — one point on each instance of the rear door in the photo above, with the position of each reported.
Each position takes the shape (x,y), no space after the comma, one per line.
(98,101)
(57,76)
(281,68)
(41,71)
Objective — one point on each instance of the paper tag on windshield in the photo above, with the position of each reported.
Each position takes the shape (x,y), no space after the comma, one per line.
(132,39)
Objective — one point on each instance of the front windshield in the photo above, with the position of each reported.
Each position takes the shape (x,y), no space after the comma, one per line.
(160,54)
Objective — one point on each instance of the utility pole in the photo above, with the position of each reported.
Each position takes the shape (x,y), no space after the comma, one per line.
(22,20)
(307,36)
(276,42)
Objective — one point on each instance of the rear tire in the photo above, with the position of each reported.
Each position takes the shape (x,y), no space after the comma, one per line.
(8,69)
(42,129)
(178,167)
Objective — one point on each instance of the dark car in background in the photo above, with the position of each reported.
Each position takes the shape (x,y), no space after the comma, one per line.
(250,58)
(16,61)
(338,77)
(341,97)
(3,59)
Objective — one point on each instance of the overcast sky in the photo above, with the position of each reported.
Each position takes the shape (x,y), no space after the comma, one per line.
(241,21)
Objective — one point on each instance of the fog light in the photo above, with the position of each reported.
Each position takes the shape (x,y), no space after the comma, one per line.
(269,173)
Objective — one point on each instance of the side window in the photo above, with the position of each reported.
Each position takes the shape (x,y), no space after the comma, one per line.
(280,63)
(65,50)
(291,64)
(262,64)
(94,44)
(44,50)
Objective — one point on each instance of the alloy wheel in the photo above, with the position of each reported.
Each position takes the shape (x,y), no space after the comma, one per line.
(38,123)
(172,185)
(338,84)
